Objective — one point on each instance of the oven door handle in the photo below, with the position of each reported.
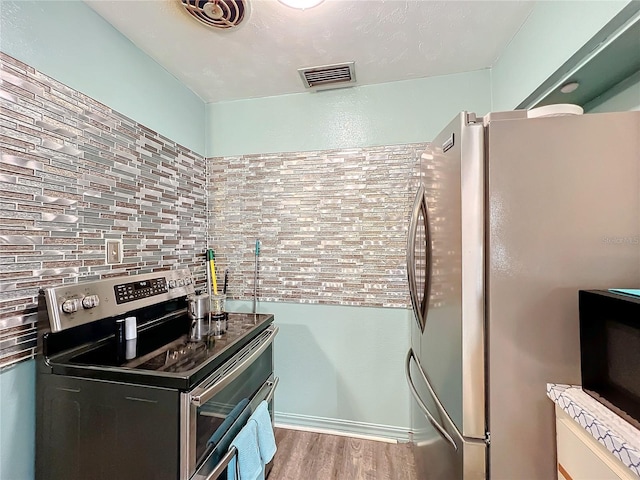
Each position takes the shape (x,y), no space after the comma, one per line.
(224,462)
(273,386)
(201,395)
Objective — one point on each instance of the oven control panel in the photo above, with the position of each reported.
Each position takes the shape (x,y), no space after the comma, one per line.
(85,302)
(128,292)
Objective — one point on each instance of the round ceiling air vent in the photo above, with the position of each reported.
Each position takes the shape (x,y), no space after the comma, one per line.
(217,13)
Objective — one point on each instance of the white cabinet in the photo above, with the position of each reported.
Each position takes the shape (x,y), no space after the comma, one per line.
(581,457)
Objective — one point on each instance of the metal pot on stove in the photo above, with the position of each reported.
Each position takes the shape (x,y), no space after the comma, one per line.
(198,310)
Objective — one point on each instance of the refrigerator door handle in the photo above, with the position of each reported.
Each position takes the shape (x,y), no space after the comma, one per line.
(420,306)
(423,407)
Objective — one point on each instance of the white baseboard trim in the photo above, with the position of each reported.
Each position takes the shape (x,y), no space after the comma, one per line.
(345,428)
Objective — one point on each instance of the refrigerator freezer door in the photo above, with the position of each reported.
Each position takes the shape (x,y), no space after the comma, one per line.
(452,345)
(442,417)
(564,215)
(440,452)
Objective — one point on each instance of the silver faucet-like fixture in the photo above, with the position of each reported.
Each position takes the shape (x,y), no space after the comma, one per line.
(255,276)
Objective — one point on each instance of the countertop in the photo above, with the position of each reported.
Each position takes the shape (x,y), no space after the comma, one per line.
(617,435)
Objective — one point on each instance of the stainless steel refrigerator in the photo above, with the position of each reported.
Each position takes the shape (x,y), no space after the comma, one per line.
(513,215)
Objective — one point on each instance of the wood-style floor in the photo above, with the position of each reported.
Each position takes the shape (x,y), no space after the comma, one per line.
(314,456)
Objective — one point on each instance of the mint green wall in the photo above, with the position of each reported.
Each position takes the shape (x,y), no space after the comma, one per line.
(622,97)
(384,114)
(17,421)
(340,367)
(68,41)
(554,31)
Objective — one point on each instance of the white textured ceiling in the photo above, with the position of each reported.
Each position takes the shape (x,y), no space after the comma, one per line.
(388,40)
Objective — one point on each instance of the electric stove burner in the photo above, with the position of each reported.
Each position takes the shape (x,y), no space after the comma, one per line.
(177,356)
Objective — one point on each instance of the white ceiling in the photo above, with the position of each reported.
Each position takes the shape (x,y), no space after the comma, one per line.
(388,40)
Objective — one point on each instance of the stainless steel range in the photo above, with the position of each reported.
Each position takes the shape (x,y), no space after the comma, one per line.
(143,401)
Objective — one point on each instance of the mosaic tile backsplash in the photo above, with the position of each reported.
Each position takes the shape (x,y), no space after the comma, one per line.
(73,173)
(332,224)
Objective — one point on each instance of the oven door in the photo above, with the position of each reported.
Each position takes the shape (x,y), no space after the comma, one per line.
(215,411)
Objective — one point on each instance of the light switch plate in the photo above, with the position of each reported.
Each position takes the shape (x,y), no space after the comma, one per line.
(113,251)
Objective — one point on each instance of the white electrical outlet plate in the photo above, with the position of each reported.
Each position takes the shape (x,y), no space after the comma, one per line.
(113,251)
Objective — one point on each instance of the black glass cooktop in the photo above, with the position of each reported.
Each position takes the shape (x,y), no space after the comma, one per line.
(162,354)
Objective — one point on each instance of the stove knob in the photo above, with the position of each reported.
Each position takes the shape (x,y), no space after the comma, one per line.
(70,306)
(172,284)
(188,281)
(90,301)
(180,282)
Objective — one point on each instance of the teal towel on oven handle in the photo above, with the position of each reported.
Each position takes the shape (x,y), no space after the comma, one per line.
(233,415)
(266,438)
(247,463)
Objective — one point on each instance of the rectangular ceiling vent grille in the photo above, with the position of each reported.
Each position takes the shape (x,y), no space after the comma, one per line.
(325,77)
